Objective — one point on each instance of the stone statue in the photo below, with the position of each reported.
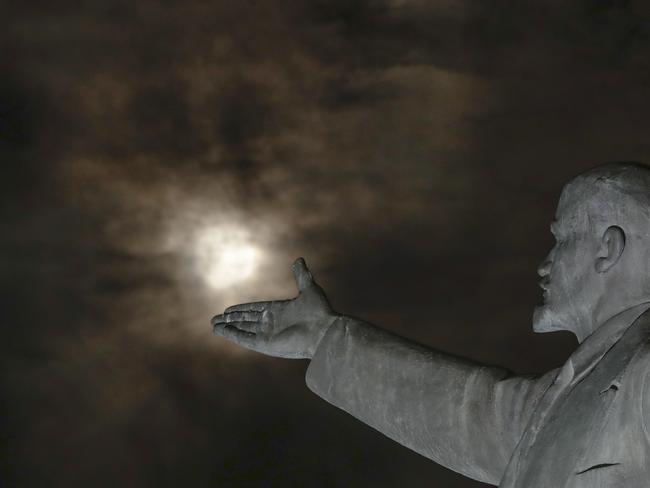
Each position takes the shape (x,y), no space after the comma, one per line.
(584,425)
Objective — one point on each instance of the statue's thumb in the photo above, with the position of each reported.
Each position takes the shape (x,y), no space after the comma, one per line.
(304,279)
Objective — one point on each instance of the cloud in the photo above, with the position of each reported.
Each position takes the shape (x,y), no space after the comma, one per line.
(410,151)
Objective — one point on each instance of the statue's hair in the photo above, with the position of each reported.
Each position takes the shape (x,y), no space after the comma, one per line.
(614,193)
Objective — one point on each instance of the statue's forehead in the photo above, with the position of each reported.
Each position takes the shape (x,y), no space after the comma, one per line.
(588,201)
(583,206)
(568,205)
(574,205)
(575,192)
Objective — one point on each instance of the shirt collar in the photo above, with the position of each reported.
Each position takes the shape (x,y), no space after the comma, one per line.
(594,347)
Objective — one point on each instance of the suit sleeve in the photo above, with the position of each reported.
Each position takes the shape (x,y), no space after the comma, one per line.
(462,415)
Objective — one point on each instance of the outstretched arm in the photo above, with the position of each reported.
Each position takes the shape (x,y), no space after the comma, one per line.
(460,414)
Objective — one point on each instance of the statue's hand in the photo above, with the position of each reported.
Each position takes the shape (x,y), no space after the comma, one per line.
(282,328)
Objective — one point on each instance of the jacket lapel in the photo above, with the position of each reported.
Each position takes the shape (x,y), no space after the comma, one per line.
(600,451)
(604,379)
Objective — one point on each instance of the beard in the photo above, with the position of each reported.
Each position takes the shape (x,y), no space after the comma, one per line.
(545,319)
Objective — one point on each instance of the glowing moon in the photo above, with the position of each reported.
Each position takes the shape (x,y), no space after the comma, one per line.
(226,256)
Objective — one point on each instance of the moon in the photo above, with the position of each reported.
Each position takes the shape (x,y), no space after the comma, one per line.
(226,256)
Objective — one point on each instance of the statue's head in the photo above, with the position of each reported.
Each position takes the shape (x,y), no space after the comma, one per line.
(600,264)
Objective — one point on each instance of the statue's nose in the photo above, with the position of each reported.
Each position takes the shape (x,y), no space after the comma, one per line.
(544,267)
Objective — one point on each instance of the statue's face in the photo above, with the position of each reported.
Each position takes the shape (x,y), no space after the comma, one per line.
(571,286)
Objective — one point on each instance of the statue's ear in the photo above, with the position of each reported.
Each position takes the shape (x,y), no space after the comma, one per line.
(612,244)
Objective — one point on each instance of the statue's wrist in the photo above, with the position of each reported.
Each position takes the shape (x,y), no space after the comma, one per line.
(328,323)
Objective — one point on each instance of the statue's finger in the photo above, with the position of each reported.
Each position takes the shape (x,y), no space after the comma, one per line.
(243,316)
(303,276)
(252,326)
(232,333)
(248,307)
(217,319)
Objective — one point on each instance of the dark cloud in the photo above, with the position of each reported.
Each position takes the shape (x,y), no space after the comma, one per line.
(412,152)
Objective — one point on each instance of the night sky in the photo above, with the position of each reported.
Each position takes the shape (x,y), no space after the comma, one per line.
(412,151)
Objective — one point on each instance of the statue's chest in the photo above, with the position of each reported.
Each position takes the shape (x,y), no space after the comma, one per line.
(590,435)
(567,445)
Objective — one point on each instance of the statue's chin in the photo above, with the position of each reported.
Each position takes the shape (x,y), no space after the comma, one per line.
(544,320)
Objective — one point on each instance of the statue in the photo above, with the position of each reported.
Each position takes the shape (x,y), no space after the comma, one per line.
(584,425)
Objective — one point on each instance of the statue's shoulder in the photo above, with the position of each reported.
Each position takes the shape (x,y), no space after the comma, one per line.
(638,369)
(640,362)
(640,376)
(631,386)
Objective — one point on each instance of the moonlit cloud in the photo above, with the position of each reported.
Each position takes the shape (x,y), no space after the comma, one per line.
(225,256)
